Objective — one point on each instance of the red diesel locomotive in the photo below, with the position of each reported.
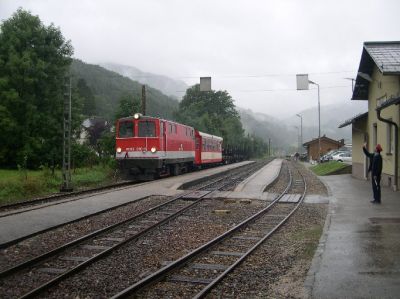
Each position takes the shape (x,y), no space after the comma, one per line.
(149,147)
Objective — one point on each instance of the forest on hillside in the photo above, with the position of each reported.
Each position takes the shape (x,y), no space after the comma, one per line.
(38,73)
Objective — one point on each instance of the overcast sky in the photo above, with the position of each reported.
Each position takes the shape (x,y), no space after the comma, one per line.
(252,49)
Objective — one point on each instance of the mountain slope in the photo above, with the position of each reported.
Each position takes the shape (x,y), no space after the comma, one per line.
(284,133)
(168,86)
(108,88)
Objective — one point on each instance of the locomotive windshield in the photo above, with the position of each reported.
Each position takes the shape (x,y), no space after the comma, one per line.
(147,129)
(126,129)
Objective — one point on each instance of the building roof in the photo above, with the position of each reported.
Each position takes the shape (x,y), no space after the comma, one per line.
(325,139)
(353,120)
(384,55)
(387,103)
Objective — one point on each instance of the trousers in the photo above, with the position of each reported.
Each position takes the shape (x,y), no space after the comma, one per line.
(376,188)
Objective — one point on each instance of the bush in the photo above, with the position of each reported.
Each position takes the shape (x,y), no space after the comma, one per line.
(82,155)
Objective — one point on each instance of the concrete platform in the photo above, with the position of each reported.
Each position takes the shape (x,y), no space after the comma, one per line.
(257,182)
(359,252)
(19,225)
(253,187)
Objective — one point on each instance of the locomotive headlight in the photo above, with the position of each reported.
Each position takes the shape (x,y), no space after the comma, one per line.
(153,149)
(119,150)
(137,115)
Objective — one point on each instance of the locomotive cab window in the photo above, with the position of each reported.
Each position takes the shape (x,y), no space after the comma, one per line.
(126,129)
(147,129)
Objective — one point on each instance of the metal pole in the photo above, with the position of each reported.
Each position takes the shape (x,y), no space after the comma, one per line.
(69,133)
(269,147)
(144,99)
(319,122)
(301,133)
(298,137)
(66,164)
(319,127)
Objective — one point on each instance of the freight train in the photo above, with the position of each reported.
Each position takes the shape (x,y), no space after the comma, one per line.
(150,147)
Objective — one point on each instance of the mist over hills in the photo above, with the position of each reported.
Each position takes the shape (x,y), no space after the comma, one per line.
(283,133)
(109,87)
(167,86)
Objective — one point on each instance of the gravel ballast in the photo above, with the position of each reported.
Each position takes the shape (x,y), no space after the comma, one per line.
(276,270)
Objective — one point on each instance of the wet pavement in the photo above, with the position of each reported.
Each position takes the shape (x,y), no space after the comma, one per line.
(359,252)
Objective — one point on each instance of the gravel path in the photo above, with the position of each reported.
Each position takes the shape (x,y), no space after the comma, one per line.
(42,243)
(134,261)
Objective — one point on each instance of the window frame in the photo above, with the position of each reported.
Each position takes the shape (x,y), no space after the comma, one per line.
(154,131)
(126,122)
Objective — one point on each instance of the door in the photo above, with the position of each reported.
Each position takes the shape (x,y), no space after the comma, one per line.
(163,139)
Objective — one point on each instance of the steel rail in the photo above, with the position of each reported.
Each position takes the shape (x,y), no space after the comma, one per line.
(85,237)
(15,241)
(161,273)
(58,198)
(102,254)
(212,284)
(9,243)
(79,267)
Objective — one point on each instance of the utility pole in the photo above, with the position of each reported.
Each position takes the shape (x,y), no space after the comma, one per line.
(143,99)
(66,164)
(269,147)
(301,133)
(302,84)
(319,123)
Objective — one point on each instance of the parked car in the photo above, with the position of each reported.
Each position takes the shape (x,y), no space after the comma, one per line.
(342,157)
(325,158)
(328,156)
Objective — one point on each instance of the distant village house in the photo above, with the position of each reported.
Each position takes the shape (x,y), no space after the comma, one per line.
(327,144)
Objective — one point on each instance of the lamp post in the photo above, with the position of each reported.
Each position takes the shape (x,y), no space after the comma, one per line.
(302,84)
(301,133)
(319,122)
(298,146)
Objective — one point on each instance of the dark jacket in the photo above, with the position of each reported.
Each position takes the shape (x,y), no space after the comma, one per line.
(375,162)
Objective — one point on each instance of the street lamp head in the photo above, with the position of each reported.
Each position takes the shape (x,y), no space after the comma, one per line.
(299,115)
(311,82)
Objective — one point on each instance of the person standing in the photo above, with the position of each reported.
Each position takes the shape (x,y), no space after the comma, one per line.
(375,167)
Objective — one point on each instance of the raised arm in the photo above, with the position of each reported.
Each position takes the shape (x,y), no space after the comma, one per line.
(366,152)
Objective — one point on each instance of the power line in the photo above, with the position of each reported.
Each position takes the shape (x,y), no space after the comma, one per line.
(231,76)
(274,90)
(265,75)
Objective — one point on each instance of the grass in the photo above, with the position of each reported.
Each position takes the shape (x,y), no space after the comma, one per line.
(310,237)
(328,168)
(16,185)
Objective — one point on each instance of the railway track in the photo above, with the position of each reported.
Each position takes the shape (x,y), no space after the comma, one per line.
(73,257)
(37,203)
(60,198)
(197,273)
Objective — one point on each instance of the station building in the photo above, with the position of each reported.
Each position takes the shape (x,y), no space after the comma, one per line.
(327,144)
(378,82)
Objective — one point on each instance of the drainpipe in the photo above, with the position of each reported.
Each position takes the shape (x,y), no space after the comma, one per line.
(396,145)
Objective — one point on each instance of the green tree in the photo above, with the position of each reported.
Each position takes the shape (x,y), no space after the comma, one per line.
(89,103)
(212,112)
(34,59)
(128,105)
